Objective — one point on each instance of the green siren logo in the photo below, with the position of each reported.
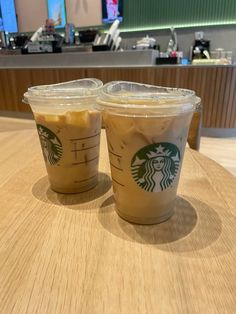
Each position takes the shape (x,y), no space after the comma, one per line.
(154,167)
(51,145)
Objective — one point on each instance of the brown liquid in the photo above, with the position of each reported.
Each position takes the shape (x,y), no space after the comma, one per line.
(71,151)
(138,200)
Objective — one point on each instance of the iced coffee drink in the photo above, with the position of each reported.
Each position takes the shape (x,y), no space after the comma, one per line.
(70,146)
(69,127)
(146,129)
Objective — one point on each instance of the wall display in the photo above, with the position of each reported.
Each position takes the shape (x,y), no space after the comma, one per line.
(8,21)
(1,21)
(30,14)
(112,10)
(84,13)
(57,12)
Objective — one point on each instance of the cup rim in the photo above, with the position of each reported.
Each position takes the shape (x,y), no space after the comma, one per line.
(170,98)
(61,92)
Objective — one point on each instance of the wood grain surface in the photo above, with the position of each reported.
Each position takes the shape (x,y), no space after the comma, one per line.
(214,84)
(73,254)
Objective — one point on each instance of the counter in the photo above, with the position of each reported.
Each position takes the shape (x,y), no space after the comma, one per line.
(80,59)
(214,84)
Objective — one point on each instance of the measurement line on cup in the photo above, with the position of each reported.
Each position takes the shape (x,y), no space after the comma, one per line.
(84,162)
(116,167)
(80,150)
(84,138)
(114,154)
(75,149)
(117,182)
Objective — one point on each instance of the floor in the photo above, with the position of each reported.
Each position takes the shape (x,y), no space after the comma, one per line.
(222,150)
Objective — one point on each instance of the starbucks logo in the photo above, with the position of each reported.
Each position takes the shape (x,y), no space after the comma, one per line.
(155,167)
(51,145)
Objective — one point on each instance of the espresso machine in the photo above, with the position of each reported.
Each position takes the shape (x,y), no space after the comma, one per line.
(201,47)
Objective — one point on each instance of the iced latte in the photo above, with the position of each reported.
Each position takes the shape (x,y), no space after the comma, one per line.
(146,129)
(69,127)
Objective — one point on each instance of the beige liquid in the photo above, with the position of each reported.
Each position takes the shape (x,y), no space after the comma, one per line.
(126,136)
(71,151)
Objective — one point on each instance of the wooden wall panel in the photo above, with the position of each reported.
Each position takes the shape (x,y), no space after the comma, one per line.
(226,100)
(231,117)
(215,85)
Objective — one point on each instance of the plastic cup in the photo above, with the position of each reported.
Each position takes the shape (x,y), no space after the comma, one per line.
(69,129)
(146,128)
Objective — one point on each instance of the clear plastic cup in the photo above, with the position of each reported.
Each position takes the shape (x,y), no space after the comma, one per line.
(69,129)
(146,128)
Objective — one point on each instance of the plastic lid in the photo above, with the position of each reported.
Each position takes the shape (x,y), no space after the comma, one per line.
(136,96)
(71,90)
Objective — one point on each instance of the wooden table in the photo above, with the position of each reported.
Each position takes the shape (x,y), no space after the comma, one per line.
(73,254)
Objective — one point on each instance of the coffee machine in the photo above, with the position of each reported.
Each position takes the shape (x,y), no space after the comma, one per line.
(201,47)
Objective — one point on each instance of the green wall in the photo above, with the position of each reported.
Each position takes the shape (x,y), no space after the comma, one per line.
(159,14)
